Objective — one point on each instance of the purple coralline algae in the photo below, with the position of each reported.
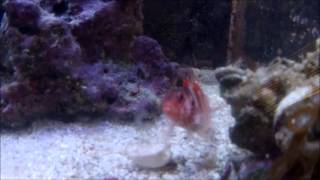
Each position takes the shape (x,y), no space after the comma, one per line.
(70,58)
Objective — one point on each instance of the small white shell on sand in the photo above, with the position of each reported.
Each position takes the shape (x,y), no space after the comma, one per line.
(151,155)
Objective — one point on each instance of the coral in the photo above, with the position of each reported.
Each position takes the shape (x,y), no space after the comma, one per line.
(277,113)
(68,58)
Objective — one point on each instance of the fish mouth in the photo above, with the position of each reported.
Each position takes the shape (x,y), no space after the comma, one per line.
(167,109)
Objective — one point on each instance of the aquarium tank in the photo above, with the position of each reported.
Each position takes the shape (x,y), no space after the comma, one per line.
(159,89)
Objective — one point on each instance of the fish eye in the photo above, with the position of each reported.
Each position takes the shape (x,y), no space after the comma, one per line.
(193,103)
(179,83)
(180,96)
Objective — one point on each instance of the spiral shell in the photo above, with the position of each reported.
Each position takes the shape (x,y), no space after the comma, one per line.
(296,114)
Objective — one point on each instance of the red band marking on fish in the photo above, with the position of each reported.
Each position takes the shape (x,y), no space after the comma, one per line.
(188,107)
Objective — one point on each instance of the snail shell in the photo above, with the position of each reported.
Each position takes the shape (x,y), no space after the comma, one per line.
(293,97)
(295,114)
(151,156)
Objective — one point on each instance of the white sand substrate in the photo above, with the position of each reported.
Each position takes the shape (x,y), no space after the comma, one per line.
(98,150)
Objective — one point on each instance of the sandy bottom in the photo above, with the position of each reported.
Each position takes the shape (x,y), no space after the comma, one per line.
(97,150)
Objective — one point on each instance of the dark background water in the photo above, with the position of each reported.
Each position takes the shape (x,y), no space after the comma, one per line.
(190,31)
(1,11)
(196,32)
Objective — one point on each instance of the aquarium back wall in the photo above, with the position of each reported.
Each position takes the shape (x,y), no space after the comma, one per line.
(193,32)
(1,11)
(196,32)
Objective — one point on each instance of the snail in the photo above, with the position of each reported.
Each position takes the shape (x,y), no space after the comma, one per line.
(296,116)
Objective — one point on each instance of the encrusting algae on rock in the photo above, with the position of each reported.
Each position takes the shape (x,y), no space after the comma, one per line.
(277,114)
(297,114)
